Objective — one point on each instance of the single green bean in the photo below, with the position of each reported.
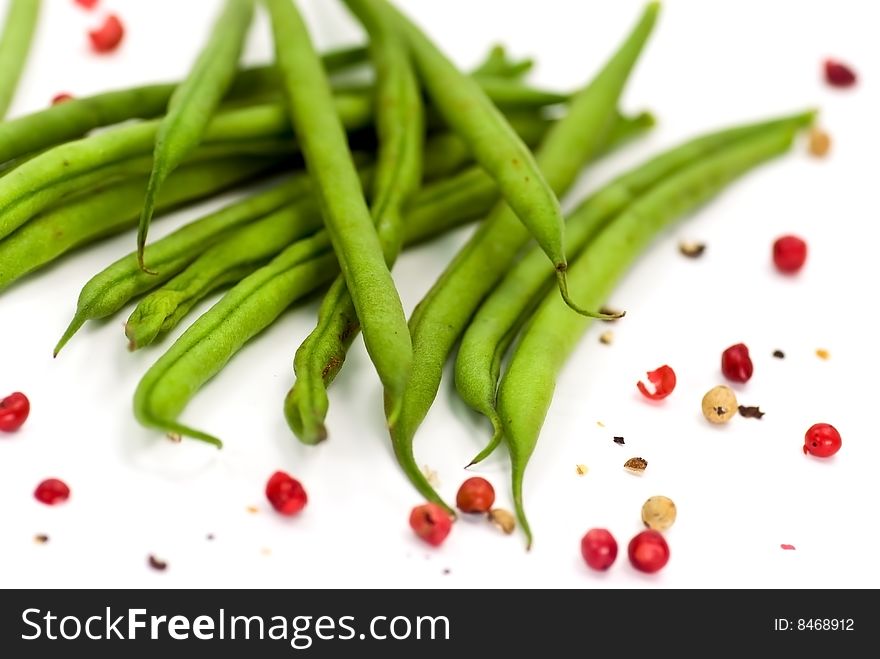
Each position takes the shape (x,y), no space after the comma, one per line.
(469,195)
(112,288)
(496,146)
(20,189)
(77,117)
(527,386)
(400,128)
(91,217)
(246,310)
(442,316)
(501,315)
(194,103)
(346,216)
(15,43)
(226,262)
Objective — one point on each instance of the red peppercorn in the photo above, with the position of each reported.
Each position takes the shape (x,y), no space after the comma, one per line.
(87,4)
(476,495)
(286,494)
(663,380)
(431,523)
(107,37)
(789,254)
(52,492)
(14,410)
(822,440)
(61,98)
(838,74)
(648,552)
(736,365)
(599,549)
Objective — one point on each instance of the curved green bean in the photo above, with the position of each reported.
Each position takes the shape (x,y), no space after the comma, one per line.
(228,261)
(112,288)
(496,146)
(501,315)
(527,386)
(194,104)
(444,313)
(21,188)
(400,128)
(15,43)
(346,216)
(91,217)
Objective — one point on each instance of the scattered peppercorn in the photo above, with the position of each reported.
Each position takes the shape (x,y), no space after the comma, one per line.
(107,38)
(636,465)
(823,354)
(779,354)
(174,437)
(787,547)
(658,513)
(599,549)
(838,74)
(822,440)
(61,98)
(736,365)
(14,411)
(691,249)
(503,520)
(286,494)
(619,440)
(52,492)
(41,538)
(820,143)
(606,338)
(581,470)
(789,254)
(157,563)
(476,495)
(663,380)
(648,552)
(431,523)
(87,4)
(719,404)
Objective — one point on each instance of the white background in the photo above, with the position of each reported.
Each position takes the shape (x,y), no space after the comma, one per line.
(741,490)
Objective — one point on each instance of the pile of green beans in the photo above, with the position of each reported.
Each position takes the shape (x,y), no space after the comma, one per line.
(360,171)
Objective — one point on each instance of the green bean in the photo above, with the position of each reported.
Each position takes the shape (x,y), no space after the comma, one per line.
(346,216)
(500,317)
(77,117)
(15,43)
(112,288)
(444,313)
(20,189)
(91,217)
(228,261)
(495,145)
(527,386)
(245,311)
(400,127)
(469,195)
(195,102)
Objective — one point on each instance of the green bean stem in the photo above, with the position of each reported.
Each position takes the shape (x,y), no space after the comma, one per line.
(400,127)
(527,386)
(112,288)
(444,313)
(15,43)
(501,315)
(346,216)
(195,102)
(93,216)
